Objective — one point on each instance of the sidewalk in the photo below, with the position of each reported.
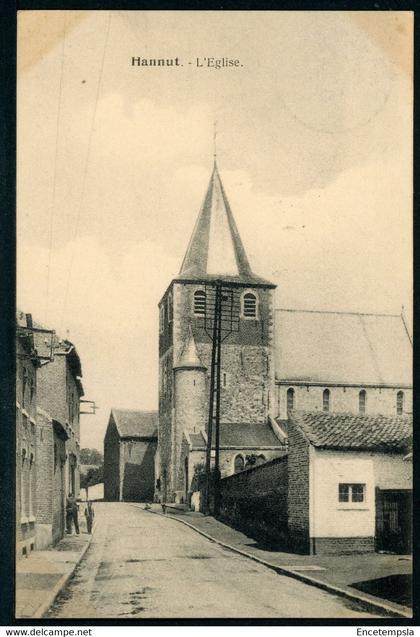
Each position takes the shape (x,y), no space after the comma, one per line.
(335,573)
(41,576)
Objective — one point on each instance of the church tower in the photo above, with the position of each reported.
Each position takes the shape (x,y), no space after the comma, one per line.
(215,252)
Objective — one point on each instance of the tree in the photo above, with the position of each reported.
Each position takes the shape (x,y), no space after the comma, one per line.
(94,475)
(91,456)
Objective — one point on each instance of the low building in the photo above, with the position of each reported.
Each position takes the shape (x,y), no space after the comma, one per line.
(241,446)
(350,486)
(129,455)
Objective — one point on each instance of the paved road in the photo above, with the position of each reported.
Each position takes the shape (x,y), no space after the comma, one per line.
(145,565)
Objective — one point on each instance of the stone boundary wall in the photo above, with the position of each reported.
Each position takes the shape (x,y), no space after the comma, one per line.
(255,501)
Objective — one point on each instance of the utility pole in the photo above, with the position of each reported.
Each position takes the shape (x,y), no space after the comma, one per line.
(221,319)
(213,377)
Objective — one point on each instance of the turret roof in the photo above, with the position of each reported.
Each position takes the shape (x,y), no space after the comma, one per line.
(189,357)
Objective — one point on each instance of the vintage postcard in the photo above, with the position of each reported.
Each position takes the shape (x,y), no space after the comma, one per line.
(214,315)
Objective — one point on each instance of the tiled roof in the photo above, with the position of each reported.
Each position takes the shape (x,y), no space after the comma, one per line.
(135,424)
(342,347)
(215,249)
(355,432)
(241,435)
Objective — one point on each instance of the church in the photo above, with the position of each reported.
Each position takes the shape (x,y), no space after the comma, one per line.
(274,362)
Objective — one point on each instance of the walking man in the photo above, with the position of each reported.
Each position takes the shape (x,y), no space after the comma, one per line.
(90,514)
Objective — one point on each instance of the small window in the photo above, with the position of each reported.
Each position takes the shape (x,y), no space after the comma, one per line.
(290,399)
(400,403)
(249,305)
(170,308)
(161,318)
(239,464)
(362,401)
(199,303)
(351,492)
(326,400)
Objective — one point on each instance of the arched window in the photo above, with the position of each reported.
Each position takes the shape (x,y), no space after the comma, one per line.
(199,303)
(362,401)
(400,403)
(170,308)
(326,400)
(238,464)
(249,305)
(290,399)
(260,459)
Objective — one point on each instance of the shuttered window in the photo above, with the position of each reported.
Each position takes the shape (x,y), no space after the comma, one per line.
(249,305)
(199,303)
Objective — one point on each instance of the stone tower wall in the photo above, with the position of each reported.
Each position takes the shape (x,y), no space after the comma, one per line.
(247,371)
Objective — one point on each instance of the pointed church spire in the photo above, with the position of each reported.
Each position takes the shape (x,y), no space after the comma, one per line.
(189,357)
(215,249)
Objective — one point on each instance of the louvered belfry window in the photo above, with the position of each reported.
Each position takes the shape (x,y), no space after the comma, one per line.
(199,303)
(249,305)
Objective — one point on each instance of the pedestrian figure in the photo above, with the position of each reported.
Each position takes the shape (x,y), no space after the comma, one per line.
(72,514)
(89,514)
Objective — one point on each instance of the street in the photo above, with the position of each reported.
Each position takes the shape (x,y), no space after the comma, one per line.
(143,565)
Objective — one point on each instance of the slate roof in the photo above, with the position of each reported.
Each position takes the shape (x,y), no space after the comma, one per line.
(349,432)
(215,249)
(342,347)
(241,435)
(131,423)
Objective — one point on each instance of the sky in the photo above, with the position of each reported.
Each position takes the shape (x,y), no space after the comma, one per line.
(314,148)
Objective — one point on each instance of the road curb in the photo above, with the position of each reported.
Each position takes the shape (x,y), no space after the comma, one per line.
(307,579)
(42,610)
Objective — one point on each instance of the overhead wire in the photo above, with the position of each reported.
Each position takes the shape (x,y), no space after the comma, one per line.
(54,185)
(85,171)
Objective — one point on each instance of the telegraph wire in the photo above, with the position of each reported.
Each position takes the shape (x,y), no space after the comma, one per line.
(83,189)
(57,133)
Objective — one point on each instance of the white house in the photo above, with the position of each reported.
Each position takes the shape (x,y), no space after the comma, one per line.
(350,484)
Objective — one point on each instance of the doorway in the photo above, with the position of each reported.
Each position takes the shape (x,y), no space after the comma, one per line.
(394,520)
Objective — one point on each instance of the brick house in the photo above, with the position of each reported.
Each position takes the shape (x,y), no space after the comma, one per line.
(58,443)
(27,364)
(129,455)
(215,252)
(350,485)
